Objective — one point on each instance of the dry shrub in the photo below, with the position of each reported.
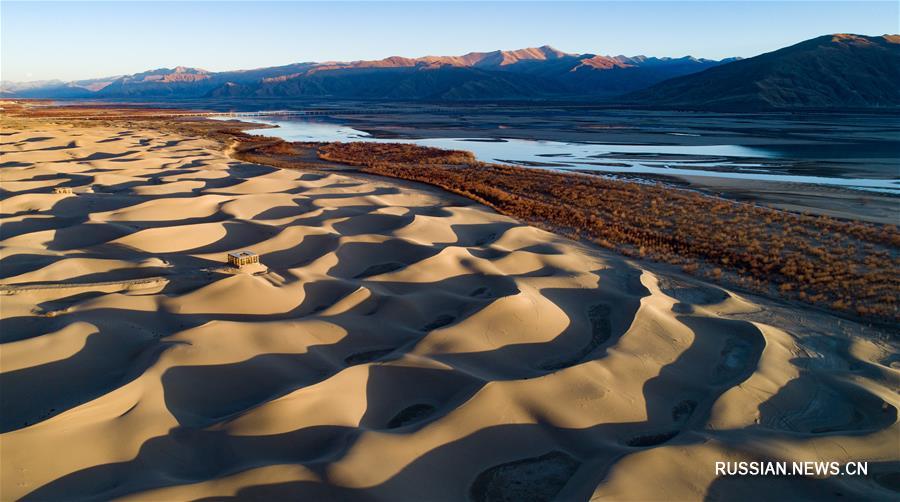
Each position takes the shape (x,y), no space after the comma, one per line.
(364,154)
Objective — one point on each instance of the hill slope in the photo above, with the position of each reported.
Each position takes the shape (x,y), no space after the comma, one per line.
(832,71)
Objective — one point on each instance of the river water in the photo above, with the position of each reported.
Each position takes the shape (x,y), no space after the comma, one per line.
(775,164)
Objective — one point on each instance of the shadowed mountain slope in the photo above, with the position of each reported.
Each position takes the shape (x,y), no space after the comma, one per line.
(832,71)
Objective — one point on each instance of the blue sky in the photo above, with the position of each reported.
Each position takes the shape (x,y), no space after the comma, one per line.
(72,40)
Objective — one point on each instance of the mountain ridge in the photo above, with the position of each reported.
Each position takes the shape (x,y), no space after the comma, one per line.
(529,73)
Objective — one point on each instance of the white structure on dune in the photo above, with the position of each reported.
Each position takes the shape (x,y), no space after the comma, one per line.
(240,258)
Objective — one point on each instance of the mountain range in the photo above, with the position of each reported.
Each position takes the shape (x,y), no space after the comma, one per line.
(542,72)
(832,71)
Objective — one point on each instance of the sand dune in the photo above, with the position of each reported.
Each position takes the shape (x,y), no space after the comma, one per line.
(403,344)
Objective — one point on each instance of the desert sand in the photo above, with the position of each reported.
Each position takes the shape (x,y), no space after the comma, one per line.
(398,343)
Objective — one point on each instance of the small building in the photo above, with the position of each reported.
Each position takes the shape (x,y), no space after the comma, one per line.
(240,258)
(63,190)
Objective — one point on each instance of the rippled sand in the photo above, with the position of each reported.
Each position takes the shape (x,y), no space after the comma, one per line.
(399,343)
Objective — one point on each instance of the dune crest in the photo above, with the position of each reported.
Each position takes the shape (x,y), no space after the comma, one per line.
(401,343)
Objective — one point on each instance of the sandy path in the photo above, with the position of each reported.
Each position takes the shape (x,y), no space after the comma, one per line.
(404,344)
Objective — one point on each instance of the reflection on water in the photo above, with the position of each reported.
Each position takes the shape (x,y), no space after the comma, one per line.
(723,161)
